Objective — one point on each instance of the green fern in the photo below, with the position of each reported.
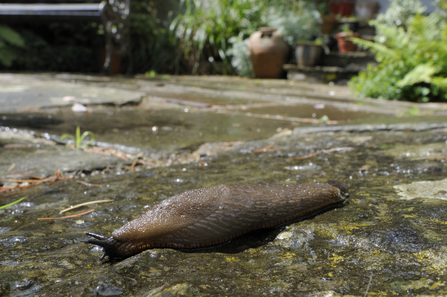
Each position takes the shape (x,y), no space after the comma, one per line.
(373,47)
(421,73)
(413,62)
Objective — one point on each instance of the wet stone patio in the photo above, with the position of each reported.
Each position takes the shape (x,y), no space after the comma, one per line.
(158,137)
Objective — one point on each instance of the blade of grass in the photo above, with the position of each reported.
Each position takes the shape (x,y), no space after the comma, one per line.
(78,140)
(12,203)
(84,135)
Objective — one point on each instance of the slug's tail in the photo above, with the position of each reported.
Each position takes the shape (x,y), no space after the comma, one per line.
(112,248)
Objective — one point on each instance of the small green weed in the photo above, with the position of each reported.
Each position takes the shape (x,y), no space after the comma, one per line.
(12,203)
(78,139)
(323,119)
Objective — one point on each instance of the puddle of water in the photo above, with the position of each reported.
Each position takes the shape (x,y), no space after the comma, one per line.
(407,119)
(317,111)
(149,129)
(240,84)
(206,98)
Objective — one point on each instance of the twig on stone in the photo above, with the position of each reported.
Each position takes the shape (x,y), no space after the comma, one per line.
(66,217)
(88,184)
(84,204)
(313,154)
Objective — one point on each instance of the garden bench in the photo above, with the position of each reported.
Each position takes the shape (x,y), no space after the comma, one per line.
(113,15)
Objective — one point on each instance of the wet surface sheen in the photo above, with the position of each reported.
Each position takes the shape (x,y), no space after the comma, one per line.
(391,232)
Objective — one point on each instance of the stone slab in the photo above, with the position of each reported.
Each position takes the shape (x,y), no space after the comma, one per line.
(423,189)
(23,154)
(21,92)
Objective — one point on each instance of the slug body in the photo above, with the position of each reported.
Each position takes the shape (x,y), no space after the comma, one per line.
(211,216)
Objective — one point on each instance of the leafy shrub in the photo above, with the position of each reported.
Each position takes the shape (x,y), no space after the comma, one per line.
(71,46)
(413,62)
(400,13)
(55,47)
(202,31)
(241,60)
(151,47)
(299,22)
(10,40)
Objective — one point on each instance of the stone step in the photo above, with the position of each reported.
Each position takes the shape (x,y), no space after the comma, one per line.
(335,66)
(337,59)
(321,73)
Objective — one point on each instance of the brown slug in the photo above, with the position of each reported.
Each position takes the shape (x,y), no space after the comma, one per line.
(211,216)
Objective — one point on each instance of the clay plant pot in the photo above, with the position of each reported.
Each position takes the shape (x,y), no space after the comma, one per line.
(268,53)
(100,56)
(366,10)
(345,45)
(307,54)
(328,24)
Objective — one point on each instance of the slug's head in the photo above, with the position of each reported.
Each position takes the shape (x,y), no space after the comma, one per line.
(341,186)
(113,248)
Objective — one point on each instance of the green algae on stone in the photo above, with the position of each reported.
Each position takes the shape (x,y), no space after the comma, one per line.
(434,260)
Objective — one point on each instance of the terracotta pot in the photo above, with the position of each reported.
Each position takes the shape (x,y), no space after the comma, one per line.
(268,53)
(345,45)
(328,24)
(115,61)
(366,10)
(343,9)
(307,54)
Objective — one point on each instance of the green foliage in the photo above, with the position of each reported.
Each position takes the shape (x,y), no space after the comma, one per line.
(12,203)
(10,40)
(78,138)
(56,47)
(202,31)
(211,32)
(299,22)
(400,13)
(345,28)
(413,62)
(151,47)
(240,56)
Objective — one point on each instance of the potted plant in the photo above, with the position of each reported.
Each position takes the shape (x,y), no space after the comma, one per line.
(328,24)
(328,20)
(352,22)
(308,53)
(299,26)
(298,21)
(345,45)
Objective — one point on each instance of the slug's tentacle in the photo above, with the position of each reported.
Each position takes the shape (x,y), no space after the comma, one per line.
(113,248)
(215,215)
(97,236)
(341,186)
